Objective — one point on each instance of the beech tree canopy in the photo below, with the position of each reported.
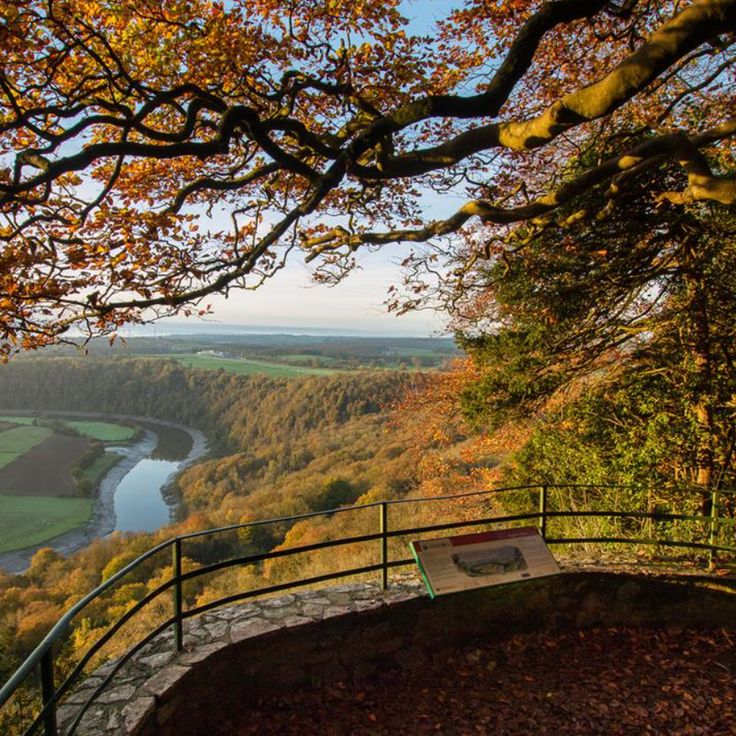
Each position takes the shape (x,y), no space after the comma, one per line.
(152,154)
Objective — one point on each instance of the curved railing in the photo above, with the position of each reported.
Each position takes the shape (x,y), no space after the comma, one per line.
(543,514)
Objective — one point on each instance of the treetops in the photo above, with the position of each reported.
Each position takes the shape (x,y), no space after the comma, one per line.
(152,155)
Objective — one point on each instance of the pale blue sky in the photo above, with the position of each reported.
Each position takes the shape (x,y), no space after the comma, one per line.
(292,299)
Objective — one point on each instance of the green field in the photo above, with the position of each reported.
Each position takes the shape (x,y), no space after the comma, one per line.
(28,520)
(103,431)
(19,420)
(245,367)
(298,357)
(18,440)
(95,472)
(418,352)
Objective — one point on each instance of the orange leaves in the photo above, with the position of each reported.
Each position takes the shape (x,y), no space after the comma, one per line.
(268,121)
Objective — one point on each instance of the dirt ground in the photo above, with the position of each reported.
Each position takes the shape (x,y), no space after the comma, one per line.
(45,469)
(612,682)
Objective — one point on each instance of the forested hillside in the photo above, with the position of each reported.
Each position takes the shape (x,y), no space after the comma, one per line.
(236,412)
(290,447)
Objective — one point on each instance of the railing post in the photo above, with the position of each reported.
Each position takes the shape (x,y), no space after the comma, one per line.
(47,694)
(713,527)
(384,544)
(543,511)
(176,572)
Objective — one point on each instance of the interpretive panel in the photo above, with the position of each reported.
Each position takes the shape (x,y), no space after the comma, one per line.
(467,561)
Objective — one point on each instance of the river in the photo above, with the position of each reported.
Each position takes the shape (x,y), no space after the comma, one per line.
(137,509)
(136,495)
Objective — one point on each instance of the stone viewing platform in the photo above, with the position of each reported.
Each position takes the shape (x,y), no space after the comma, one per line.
(144,683)
(235,656)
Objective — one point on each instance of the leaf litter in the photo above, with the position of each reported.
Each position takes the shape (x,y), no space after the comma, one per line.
(612,682)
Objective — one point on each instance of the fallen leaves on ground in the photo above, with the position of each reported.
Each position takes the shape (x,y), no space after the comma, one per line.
(617,682)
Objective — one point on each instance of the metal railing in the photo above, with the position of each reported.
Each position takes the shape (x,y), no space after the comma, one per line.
(42,659)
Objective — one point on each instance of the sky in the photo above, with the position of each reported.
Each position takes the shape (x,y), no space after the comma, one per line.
(356,305)
(292,299)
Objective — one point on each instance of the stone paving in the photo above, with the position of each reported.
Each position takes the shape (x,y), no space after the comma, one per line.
(132,695)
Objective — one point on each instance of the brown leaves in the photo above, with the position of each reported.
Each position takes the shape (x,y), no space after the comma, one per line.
(612,682)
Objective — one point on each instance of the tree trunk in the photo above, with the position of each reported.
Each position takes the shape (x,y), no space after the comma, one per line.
(698,338)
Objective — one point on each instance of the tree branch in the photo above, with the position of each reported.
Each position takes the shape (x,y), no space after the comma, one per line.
(675,38)
(703,185)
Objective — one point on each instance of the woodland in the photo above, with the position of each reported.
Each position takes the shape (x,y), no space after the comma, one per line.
(558,177)
(280,447)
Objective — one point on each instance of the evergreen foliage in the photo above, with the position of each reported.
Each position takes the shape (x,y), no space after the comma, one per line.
(619,334)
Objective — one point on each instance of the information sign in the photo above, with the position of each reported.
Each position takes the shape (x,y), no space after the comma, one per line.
(468,561)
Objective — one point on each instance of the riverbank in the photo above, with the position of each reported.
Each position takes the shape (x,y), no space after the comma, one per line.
(102,520)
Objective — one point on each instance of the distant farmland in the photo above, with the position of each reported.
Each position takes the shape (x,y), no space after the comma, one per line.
(306,357)
(41,482)
(94,430)
(244,367)
(102,431)
(44,469)
(18,440)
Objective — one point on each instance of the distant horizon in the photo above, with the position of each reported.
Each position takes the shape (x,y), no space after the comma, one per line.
(168,328)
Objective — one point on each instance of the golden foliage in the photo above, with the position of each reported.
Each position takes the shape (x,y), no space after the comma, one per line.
(153,155)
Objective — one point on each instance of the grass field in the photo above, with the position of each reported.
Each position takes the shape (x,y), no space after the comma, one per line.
(18,440)
(297,357)
(19,420)
(419,352)
(245,367)
(30,520)
(103,431)
(95,472)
